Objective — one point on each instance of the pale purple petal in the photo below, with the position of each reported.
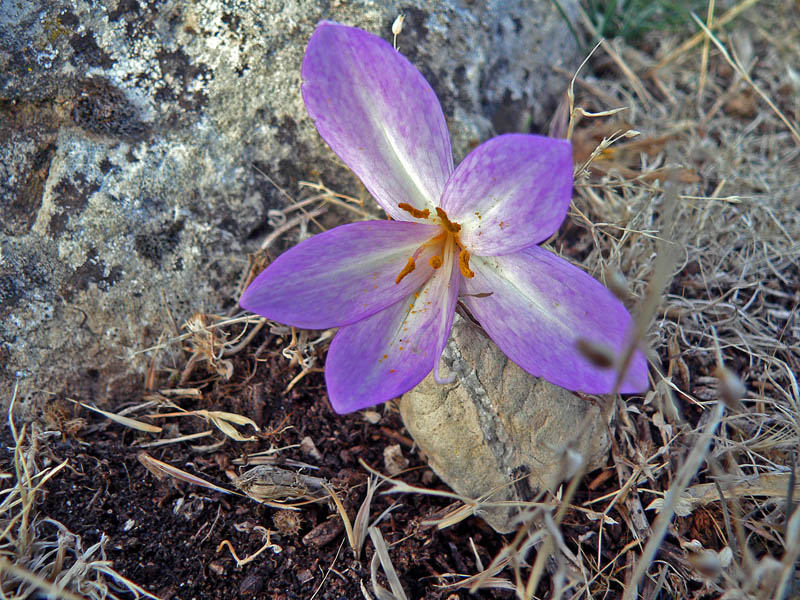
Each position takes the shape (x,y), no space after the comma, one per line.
(342,275)
(510,193)
(378,113)
(539,307)
(387,354)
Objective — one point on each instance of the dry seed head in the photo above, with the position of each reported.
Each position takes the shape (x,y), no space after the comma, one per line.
(793,529)
(731,388)
(571,462)
(706,562)
(618,285)
(598,354)
(287,522)
(397,26)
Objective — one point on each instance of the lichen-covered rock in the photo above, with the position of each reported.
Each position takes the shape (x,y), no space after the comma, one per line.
(499,429)
(132,134)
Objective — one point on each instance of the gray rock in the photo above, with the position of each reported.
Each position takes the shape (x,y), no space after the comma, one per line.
(499,429)
(130,133)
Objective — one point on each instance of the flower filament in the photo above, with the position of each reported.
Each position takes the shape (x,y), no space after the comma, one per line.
(447,237)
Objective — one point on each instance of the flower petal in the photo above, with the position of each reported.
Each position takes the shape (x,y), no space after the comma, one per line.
(540,307)
(377,112)
(510,193)
(387,354)
(342,275)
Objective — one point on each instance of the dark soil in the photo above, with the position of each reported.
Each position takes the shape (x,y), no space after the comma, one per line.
(165,535)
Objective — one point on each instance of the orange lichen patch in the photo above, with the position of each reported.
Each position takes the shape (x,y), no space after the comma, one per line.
(435,261)
(410,266)
(463,264)
(447,223)
(414,212)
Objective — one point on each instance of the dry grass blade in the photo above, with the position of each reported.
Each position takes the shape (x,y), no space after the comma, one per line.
(401,487)
(704,60)
(573,113)
(135,589)
(663,269)
(382,553)
(348,526)
(636,83)
(223,422)
(458,513)
(177,440)
(33,562)
(125,421)
(486,578)
(737,66)
(791,556)
(362,519)
(726,18)
(291,224)
(20,573)
(328,195)
(551,541)
(221,419)
(328,572)
(182,392)
(767,486)
(162,469)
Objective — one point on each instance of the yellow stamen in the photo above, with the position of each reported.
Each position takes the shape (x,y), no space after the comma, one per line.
(435,261)
(446,223)
(463,264)
(414,212)
(410,266)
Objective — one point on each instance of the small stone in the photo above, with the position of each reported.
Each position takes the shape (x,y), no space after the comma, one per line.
(308,446)
(498,427)
(372,417)
(393,459)
(324,533)
(251,585)
(304,576)
(216,567)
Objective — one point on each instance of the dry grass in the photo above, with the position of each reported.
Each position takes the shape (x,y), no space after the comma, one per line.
(38,556)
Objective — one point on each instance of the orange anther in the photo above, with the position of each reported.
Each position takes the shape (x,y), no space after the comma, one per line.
(463,264)
(446,223)
(435,261)
(414,212)
(410,266)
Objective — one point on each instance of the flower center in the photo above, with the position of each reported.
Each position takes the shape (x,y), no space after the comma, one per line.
(448,236)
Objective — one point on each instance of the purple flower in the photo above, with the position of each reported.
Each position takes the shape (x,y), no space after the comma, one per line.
(468,233)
